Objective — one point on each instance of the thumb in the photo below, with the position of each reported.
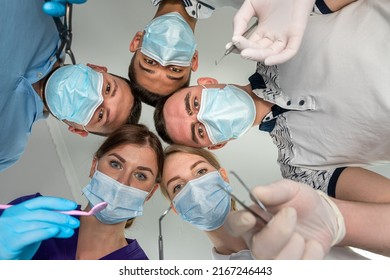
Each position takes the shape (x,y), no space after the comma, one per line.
(239,222)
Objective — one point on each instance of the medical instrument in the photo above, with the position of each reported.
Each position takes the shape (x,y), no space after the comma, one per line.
(160,239)
(232,47)
(65,32)
(263,214)
(97,208)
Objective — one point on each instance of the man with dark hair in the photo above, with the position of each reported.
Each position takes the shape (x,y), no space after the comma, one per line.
(34,83)
(325,119)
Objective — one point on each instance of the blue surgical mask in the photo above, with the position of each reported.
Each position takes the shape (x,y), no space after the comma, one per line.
(227,113)
(124,202)
(74,92)
(202,203)
(169,40)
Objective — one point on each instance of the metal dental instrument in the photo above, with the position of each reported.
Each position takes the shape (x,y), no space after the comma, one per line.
(246,34)
(263,214)
(65,32)
(160,239)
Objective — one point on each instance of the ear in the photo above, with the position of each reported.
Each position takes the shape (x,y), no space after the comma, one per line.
(217,146)
(80,132)
(98,68)
(93,167)
(194,62)
(155,187)
(224,175)
(207,81)
(136,42)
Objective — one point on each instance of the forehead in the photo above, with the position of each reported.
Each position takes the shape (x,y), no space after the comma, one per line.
(178,162)
(134,153)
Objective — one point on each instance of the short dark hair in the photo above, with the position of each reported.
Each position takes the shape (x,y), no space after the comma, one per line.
(145,95)
(159,120)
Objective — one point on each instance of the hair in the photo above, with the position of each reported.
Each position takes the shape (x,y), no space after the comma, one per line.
(159,121)
(145,95)
(137,134)
(207,155)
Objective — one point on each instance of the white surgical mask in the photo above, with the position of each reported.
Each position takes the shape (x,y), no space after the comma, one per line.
(169,40)
(203,203)
(227,113)
(74,92)
(124,202)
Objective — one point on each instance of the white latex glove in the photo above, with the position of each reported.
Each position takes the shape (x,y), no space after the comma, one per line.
(305,225)
(279,33)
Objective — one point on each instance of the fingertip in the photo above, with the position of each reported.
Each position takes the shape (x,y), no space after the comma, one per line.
(240,222)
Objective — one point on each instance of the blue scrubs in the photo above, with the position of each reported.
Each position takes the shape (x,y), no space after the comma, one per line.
(65,248)
(28,42)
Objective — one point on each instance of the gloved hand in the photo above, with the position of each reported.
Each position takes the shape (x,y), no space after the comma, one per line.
(305,225)
(279,33)
(24,226)
(56,8)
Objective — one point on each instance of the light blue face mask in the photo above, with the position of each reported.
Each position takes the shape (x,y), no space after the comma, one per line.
(227,113)
(202,203)
(169,40)
(124,202)
(74,92)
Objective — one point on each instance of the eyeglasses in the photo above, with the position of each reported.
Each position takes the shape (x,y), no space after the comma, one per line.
(263,214)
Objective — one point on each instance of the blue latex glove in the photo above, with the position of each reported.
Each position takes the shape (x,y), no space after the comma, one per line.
(24,226)
(56,8)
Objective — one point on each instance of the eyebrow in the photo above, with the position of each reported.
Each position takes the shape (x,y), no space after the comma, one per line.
(118,157)
(152,72)
(145,169)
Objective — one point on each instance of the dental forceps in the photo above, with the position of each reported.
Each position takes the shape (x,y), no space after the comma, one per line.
(65,32)
(263,214)
(246,34)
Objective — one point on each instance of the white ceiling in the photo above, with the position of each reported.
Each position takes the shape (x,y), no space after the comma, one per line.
(57,162)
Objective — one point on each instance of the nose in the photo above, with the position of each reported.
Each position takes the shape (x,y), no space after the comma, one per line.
(124,178)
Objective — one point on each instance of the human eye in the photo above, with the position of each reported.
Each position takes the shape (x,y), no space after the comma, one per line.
(108,88)
(149,61)
(100,115)
(115,164)
(201,172)
(175,69)
(200,131)
(140,176)
(196,103)
(177,188)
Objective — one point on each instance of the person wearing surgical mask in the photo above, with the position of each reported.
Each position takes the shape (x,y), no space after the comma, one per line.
(125,173)
(165,52)
(326,131)
(197,187)
(33,84)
